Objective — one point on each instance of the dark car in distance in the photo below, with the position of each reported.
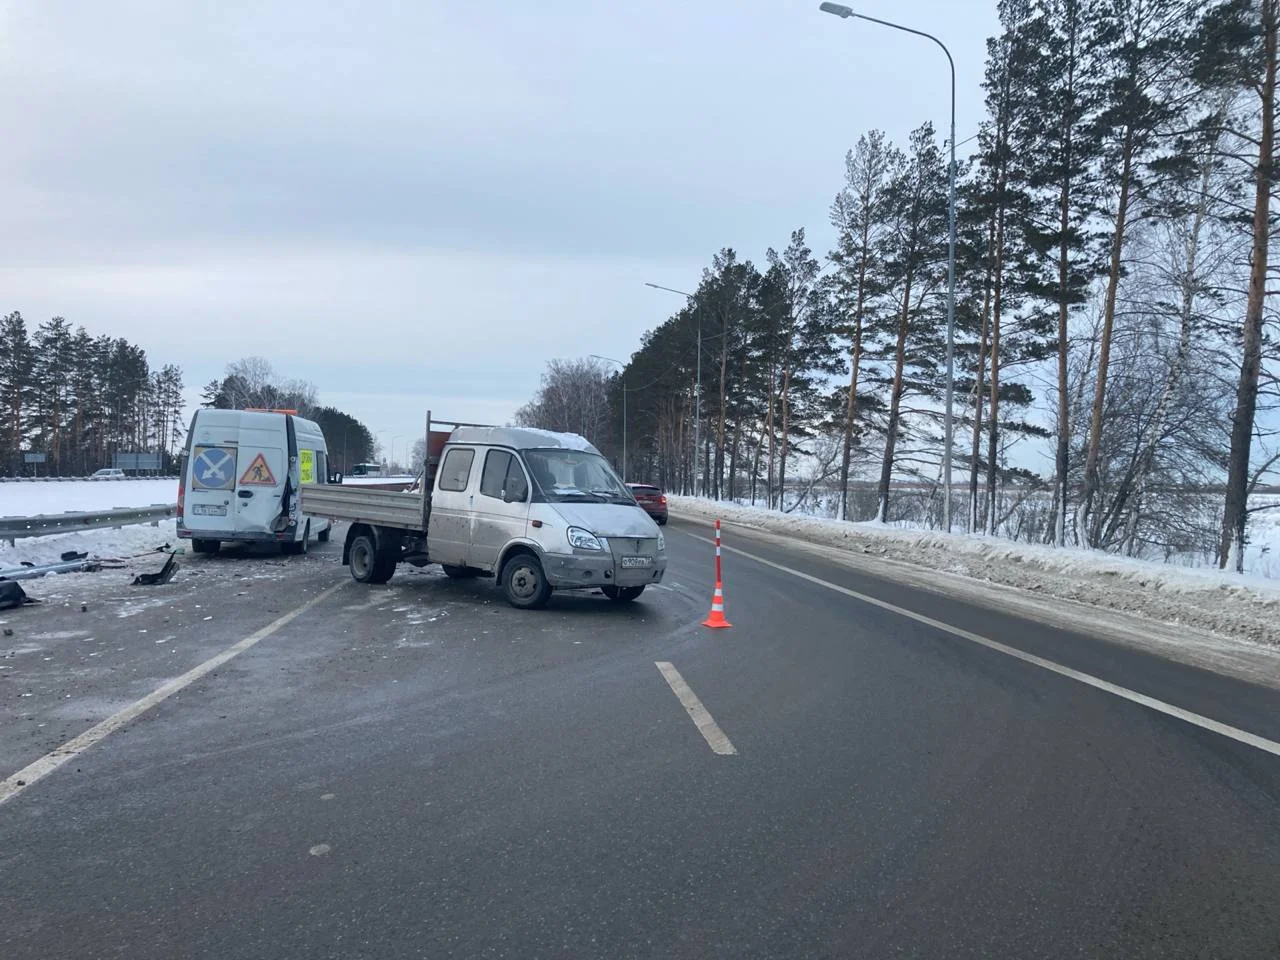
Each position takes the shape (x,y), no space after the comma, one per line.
(651,499)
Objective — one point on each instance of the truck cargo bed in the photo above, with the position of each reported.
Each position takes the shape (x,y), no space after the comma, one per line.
(383,508)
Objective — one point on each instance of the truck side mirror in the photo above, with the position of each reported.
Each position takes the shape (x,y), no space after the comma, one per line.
(517,492)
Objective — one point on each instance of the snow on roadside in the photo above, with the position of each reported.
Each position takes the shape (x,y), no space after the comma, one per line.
(33,499)
(1226,604)
(127,541)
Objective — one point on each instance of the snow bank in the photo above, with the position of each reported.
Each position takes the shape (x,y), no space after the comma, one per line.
(32,499)
(1233,606)
(106,544)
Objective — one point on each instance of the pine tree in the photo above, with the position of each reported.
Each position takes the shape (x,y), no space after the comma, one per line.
(1236,50)
(805,331)
(914,261)
(15,387)
(1063,147)
(1009,64)
(51,372)
(859,215)
(1143,42)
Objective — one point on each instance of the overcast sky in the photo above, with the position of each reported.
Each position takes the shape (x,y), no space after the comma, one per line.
(416,204)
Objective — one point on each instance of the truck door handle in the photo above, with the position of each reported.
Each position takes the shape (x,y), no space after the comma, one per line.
(245,494)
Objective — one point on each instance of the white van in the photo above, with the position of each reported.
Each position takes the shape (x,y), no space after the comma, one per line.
(242,475)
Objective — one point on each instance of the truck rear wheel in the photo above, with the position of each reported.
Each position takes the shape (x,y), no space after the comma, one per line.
(367,564)
(205,546)
(525,583)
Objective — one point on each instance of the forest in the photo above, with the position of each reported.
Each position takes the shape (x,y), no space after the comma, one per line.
(79,399)
(1113,316)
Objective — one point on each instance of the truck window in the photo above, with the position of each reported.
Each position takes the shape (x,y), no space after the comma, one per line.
(456,469)
(493,480)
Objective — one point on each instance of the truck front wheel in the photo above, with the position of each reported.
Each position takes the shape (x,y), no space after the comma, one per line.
(525,583)
(367,565)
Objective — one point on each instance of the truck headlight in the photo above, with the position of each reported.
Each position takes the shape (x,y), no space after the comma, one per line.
(581,539)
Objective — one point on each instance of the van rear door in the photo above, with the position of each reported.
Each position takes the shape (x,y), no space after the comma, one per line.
(262,471)
(209,477)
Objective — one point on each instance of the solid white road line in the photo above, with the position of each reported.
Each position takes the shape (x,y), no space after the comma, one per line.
(39,769)
(1205,723)
(709,729)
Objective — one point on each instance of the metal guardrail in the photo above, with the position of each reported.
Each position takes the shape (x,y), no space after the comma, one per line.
(17,528)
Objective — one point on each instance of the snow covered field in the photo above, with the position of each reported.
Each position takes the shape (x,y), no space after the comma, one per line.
(31,499)
(1207,599)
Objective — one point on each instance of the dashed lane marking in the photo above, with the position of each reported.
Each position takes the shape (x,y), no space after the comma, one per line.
(33,772)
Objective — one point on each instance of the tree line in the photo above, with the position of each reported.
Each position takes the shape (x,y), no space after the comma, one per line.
(78,399)
(1112,262)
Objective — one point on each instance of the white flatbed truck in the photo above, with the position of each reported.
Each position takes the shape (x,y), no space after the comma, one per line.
(540,511)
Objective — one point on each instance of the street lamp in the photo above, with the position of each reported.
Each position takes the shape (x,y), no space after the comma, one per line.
(623,368)
(398,436)
(844,12)
(697,389)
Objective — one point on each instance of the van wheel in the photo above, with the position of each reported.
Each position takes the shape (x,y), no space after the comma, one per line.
(524,583)
(367,565)
(324,535)
(622,594)
(298,548)
(205,546)
(459,573)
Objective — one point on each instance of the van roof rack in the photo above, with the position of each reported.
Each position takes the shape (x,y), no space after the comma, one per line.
(270,410)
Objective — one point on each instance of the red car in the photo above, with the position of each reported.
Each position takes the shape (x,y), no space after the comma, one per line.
(651,499)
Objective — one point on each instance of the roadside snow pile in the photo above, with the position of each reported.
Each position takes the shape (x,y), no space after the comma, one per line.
(33,499)
(1242,607)
(100,544)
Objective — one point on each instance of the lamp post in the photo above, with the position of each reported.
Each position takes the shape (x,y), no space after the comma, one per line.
(622,367)
(697,387)
(844,12)
(398,436)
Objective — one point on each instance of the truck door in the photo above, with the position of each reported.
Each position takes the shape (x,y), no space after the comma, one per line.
(500,511)
(449,528)
(263,469)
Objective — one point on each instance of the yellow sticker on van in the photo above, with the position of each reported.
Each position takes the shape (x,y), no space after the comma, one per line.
(307,465)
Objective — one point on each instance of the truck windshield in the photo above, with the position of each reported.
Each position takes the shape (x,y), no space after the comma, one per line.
(566,475)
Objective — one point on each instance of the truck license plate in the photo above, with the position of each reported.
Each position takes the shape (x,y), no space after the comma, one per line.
(209,510)
(632,562)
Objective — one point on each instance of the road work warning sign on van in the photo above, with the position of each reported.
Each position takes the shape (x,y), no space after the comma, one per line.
(258,474)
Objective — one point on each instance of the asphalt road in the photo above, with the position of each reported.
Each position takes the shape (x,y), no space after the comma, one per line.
(418,770)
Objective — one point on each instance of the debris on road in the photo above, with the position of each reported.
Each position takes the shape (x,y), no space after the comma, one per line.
(11,596)
(161,576)
(28,571)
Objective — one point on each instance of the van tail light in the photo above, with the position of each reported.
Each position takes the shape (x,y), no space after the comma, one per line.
(663,501)
(182,495)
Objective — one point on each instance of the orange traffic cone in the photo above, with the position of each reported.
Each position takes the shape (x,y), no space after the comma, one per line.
(716,619)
